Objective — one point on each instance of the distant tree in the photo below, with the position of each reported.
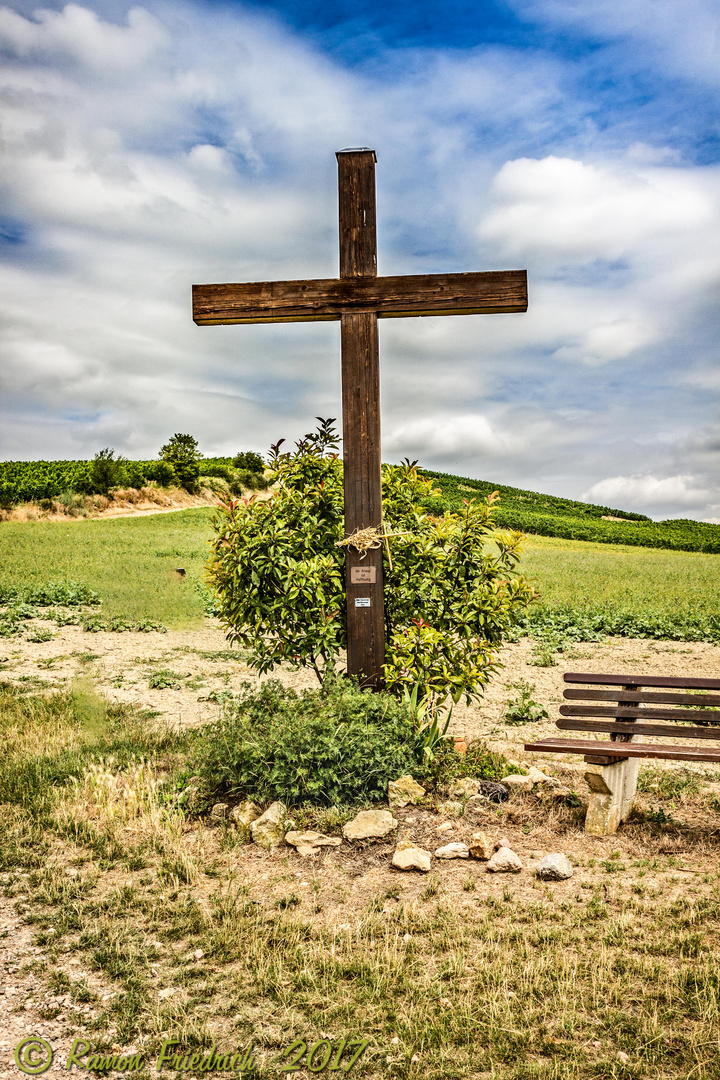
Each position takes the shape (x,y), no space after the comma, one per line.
(249,461)
(182,453)
(107,471)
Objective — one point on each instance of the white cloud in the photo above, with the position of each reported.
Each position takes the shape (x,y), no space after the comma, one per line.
(571,210)
(682,38)
(646,491)
(78,33)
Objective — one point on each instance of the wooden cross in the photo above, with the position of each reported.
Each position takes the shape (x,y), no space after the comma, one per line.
(358,298)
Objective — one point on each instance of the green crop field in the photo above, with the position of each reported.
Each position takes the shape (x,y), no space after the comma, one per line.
(131,562)
(624,590)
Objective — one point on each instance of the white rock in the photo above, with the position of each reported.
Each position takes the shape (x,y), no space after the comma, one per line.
(446,826)
(555,867)
(464,788)
(453,851)
(409,857)
(242,817)
(481,847)
(504,861)
(370,824)
(310,842)
(502,842)
(516,782)
(404,790)
(536,775)
(268,831)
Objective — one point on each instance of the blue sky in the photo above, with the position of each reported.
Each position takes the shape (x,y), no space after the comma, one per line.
(150,146)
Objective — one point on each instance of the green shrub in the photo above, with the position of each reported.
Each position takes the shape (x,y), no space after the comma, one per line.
(67,593)
(478,761)
(565,625)
(254,480)
(212,469)
(107,472)
(161,472)
(326,747)
(279,574)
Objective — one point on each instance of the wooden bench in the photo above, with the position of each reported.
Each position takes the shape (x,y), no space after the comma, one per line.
(625,707)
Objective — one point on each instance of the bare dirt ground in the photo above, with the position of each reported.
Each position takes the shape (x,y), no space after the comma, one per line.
(198,667)
(124,503)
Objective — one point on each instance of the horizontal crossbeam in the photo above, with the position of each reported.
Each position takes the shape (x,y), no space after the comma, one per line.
(492,292)
(654,696)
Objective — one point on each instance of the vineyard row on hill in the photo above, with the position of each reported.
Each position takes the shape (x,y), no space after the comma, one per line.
(528,511)
(549,515)
(36,481)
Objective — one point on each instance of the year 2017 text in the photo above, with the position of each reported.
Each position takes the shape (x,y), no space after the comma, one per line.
(320,1053)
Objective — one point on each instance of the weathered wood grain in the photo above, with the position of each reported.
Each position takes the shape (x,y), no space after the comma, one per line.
(327,300)
(628,681)
(655,696)
(642,712)
(624,750)
(361,416)
(667,731)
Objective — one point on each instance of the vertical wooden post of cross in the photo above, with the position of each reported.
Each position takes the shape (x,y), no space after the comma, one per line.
(361,420)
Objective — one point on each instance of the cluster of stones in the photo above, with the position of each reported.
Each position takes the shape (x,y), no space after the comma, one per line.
(269,829)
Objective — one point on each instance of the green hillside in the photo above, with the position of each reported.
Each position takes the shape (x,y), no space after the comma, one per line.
(549,515)
(528,511)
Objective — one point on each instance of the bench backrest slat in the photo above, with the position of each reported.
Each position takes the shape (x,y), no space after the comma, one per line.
(656,696)
(593,679)
(710,716)
(667,730)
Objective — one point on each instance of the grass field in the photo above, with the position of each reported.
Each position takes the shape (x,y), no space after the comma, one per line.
(149,921)
(581,574)
(148,918)
(131,562)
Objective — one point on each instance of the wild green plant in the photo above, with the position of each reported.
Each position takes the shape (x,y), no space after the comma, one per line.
(523,709)
(327,747)
(106,472)
(425,718)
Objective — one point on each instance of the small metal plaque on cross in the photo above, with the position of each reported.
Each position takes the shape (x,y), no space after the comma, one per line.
(363,575)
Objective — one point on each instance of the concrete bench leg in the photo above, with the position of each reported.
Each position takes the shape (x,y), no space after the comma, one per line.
(612,790)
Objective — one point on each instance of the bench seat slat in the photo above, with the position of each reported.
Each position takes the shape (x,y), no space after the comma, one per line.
(712,716)
(594,679)
(669,731)
(599,747)
(657,697)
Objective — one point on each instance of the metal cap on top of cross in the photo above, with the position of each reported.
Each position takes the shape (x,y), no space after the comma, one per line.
(358,298)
